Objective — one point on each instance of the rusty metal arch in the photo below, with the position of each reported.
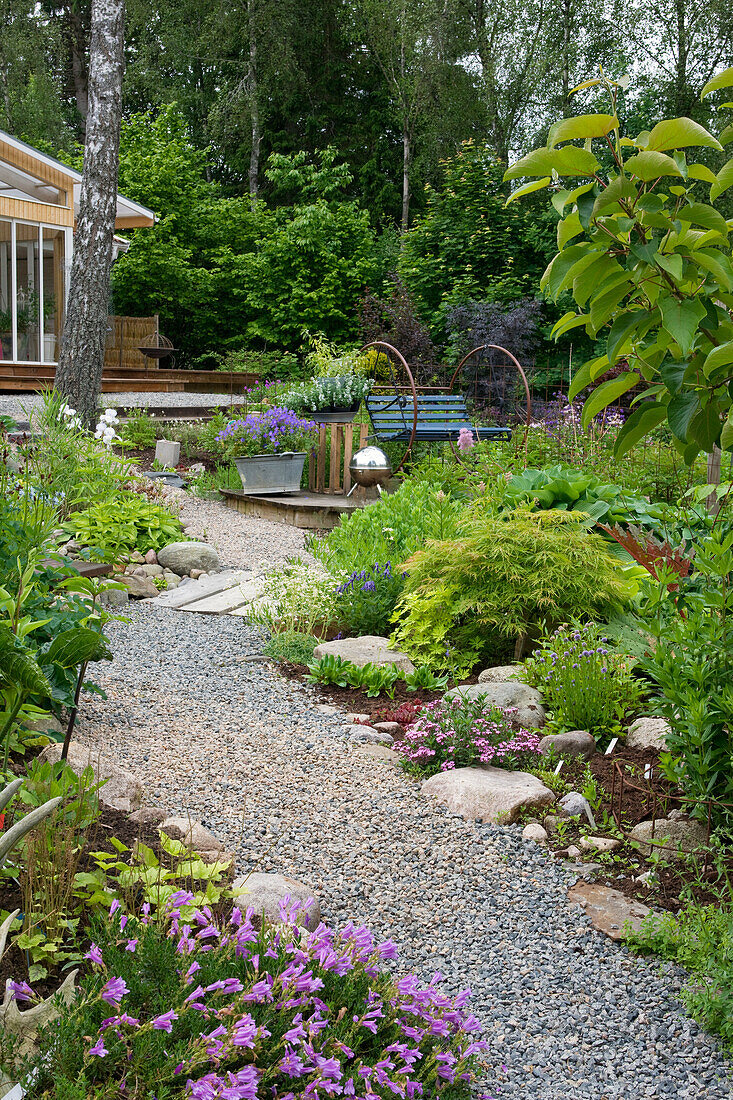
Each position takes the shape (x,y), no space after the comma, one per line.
(522,375)
(410,389)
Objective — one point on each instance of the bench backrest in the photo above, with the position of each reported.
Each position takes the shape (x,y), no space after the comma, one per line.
(392,413)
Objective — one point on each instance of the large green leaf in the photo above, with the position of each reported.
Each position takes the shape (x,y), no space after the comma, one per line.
(680,133)
(568,228)
(568,161)
(619,188)
(581,126)
(590,276)
(719,357)
(587,374)
(717,263)
(680,411)
(699,213)
(705,427)
(639,424)
(673,375)
(681,319)
(726,435)
(649,165)
(624,325)
(723,180)
(528,188)
(608,392)
(75,647)
(700,172)
(567,322)
(21,669)
(720,80)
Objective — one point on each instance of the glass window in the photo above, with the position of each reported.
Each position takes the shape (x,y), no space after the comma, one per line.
(28,292)
(54,257)
(6,291)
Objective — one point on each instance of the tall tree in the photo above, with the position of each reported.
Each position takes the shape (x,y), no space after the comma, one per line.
(413,43)
(79,371)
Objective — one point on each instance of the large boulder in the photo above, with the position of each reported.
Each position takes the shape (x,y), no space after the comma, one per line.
(182,557)
(507,694)
(198,839)
(486,793)
(574,804)
(264,893)
(370,649)
(648,733)
(121,791)
(675,837)
(578,743)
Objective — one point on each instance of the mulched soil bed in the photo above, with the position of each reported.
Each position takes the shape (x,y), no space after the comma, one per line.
(355,701)
(144,457)
(640,800)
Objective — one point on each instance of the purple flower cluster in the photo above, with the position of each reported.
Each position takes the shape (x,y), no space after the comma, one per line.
(282,1027)
(270,432)
(458,733)
(367,598)
(560,414)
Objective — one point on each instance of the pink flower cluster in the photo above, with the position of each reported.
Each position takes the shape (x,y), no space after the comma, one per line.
(460,733)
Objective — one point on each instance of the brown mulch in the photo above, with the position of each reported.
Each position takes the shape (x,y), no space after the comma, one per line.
(355,701)
(144,457)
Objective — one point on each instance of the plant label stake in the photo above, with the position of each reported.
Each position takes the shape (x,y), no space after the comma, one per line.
(611,746)
(559,766)
(648,769)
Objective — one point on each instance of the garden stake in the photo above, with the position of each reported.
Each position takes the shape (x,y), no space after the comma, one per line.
(74,711)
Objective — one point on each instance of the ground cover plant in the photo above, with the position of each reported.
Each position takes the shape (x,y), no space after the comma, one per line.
(199,1010)
(585,683)
(372,679)
(461,732)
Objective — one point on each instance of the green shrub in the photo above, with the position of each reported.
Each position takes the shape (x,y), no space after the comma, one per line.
(199,1010)
(584,684)
(700,938)
(691,671)
(124,523)
(390,529)
(297,599)
(567,489)
(501,576)
(366,600)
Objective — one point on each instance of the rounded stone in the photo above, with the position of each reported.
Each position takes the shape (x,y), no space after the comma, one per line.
(265,893)
(506,695)
(578,743)
(182,557)
(534,832)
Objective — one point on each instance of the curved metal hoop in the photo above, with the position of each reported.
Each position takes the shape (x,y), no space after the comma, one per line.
(382,345)
(522,375)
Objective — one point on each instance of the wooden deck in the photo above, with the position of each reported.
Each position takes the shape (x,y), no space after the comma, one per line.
(36,377)
(310,511)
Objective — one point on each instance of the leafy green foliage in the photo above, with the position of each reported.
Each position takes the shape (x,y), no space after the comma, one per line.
(699,938)
(424,679)
(291,646)
(648,262)
(370,678)
(585,685)
(571,490)
(499,577)
(127,522)
(140,429)
(468,246)
(330,669)
(690,669)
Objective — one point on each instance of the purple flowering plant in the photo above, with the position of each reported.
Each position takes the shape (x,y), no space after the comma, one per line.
(204,1010)
(273,431)
(585,683)
(366,600)
(460,732)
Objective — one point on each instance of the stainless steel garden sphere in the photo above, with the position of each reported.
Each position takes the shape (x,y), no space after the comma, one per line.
(370,466)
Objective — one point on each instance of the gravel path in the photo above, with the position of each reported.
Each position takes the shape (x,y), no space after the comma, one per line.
(17,404)
(566,1012)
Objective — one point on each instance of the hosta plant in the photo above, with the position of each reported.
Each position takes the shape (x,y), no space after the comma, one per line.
(646,254)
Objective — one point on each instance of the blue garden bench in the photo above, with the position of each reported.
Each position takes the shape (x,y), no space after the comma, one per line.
(428,418)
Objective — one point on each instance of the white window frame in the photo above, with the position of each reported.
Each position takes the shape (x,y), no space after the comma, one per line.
(68,245)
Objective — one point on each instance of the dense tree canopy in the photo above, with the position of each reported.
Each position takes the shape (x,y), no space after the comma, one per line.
(405,112)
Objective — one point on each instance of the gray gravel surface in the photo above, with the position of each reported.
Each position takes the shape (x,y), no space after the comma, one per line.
(15,404)
(567,1013)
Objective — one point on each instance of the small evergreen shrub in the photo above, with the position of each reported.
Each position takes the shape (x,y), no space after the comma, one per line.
(202,1012)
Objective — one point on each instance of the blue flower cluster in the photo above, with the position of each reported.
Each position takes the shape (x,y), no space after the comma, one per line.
(369,577)
(270,432)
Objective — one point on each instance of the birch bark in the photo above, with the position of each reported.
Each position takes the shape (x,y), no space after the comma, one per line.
(79,371)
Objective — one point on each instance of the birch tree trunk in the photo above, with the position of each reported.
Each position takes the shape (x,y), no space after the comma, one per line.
(79,371)
(253,90)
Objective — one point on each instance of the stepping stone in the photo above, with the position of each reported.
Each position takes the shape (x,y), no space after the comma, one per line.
(224,603)
(197,591)
(610,911)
